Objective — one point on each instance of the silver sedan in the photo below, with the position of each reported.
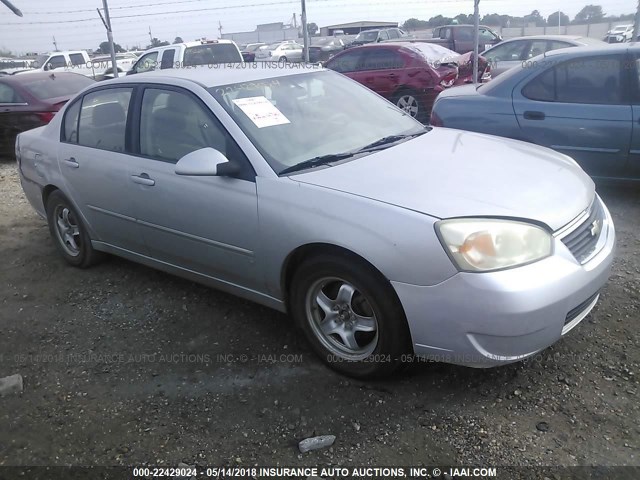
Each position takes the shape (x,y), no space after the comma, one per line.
(306,192)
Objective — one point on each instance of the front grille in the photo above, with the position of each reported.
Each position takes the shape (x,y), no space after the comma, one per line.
(575,312)
(582,241)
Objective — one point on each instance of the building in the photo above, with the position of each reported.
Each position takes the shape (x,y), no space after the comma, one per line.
(354,28)
(265,33)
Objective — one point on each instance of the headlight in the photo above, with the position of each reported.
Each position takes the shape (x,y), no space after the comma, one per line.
(480,245)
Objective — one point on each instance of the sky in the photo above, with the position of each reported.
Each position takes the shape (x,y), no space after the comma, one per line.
(75,24)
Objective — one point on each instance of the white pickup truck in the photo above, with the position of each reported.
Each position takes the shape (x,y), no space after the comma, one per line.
(78,61)
(186,55)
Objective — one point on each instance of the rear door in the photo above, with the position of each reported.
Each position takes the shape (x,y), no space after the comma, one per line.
(462,38)
(96,168)
(382,70)
(579,107)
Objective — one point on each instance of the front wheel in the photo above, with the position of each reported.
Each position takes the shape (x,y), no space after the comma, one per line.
(68,232)
(350,315)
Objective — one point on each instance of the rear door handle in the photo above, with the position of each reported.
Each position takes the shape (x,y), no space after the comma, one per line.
(71,162)
(143,179)
(534,115)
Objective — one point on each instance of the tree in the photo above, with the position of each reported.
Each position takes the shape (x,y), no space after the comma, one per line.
(439,20)
(157,43)
(553,19)
(463,19)
(590,14)
(536,18)
(105,50)
(312,28)
(415,24)
(178,40)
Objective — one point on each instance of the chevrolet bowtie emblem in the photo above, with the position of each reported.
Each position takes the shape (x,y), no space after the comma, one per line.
(595,228)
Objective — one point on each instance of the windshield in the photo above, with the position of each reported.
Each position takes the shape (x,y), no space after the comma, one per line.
(55,85)
(369,36)
(295,118)
(211,54)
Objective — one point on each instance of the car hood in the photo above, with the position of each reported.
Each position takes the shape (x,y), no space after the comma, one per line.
(452,173)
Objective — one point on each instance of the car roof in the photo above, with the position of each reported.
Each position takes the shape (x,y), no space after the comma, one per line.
(213,77)
(544,37)
(190,44)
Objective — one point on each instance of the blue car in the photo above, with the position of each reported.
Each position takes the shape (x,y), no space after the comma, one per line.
(583,102)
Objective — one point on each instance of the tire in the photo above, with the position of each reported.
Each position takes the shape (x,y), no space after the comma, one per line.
(367,333)
(69,233)
(282,59)
(408,101)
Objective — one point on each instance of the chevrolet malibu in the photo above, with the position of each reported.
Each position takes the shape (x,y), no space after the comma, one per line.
(382,238)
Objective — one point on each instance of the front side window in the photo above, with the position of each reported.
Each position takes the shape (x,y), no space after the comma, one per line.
(383,35)
(173,124)
(394,34)
(103,119)
(294,118)
(147,62)
(486,35)
(506,52)
(590,80)
(56,61)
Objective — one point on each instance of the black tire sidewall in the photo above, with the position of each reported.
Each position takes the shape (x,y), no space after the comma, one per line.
(86,256)
(393,333)
(421,109)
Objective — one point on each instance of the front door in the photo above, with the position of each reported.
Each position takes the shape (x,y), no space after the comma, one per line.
(204,224)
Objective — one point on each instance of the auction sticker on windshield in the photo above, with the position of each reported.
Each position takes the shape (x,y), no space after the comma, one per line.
(261,111)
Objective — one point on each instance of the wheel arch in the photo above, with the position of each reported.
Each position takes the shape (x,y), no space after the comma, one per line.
(310,250)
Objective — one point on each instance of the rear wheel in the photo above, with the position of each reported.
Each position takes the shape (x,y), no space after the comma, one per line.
(350,315)
(407,101)
(68,232)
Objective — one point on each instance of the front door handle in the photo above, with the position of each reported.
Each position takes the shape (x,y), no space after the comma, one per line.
(143,179)
(529,115)
(71,162)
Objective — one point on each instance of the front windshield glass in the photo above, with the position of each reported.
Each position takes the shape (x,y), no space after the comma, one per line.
(295,118)
(368,36)
(39,61)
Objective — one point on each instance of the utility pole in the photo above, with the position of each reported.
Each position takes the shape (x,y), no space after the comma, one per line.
(55,44)
(220,28)
(305,31)
(295,20)
(107,24)
(559,23)
(476,39)
(12,7)
(150,36)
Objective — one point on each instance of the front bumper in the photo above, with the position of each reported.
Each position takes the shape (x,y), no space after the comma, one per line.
(490,319)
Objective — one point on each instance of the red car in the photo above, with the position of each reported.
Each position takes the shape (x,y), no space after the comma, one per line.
(410,74)
(31,99)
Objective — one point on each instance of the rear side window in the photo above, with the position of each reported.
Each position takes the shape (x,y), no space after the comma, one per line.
(591,80)
(213,53)
(167,59)
(103,119)
(76,59)
(9,95)
(346,63)
(70,126)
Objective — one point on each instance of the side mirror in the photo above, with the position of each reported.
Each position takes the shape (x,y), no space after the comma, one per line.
(206,162)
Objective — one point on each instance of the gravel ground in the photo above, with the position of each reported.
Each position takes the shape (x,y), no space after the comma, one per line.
(124,365)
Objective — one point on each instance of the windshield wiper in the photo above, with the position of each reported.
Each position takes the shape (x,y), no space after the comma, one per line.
(391,139)
(327,160)
(323,160)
